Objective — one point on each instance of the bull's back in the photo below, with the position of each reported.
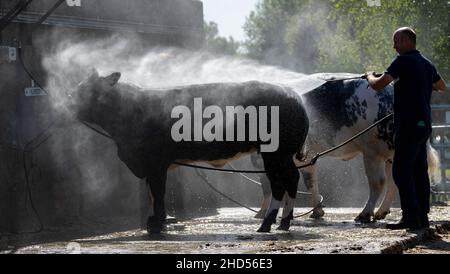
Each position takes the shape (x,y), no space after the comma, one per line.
(245,94)
(293,121)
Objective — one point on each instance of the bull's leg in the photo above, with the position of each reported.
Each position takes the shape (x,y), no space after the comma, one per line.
(310,179)
(277,187)
(157,184)
(283,177)
(391,192)
(267,194)
(292,177)
(376,175)
(288,212)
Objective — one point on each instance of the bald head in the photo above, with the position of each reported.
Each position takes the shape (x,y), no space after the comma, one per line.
(404,40)
(407,33)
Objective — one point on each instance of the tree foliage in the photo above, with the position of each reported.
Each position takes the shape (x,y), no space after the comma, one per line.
(345,35)
(217,44)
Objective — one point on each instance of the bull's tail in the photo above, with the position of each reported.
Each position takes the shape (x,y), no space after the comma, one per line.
(433,162)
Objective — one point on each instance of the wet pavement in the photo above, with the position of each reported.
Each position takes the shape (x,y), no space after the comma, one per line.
(233,231)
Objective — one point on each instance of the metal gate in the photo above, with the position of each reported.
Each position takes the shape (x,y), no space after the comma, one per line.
(440,140)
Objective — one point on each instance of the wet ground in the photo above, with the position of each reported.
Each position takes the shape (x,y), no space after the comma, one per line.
(233,231)
(438,243)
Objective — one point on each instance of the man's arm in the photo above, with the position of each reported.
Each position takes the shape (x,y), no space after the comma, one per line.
(378,83)
(440,86)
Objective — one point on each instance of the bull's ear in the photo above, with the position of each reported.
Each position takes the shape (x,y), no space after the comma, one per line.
(113,78)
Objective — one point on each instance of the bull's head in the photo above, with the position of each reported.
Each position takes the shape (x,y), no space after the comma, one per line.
(89,93)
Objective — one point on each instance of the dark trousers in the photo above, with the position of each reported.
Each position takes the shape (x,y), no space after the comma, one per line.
(410,172)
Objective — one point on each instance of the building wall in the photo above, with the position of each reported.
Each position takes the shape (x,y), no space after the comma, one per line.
(174,18)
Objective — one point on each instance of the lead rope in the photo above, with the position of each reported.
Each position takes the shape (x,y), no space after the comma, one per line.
(205,179)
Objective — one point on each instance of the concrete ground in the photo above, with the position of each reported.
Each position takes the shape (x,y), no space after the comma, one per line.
(232,231)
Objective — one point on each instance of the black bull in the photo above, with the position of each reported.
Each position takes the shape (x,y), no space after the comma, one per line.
(139,121)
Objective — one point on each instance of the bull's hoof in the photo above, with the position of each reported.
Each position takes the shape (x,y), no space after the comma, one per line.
(285,223)
(155,225)
(381,215)
(364,218)
(261,213)
(268,221)
(264,228)
(317,213)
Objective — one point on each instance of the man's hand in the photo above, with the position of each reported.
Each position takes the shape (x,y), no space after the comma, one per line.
(378,81)
(440,86)
(367,74)
(371,73)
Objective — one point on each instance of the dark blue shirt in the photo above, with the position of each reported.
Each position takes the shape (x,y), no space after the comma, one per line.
(415,77)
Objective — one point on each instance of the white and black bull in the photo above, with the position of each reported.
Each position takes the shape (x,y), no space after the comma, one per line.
(139,121)
(337,111)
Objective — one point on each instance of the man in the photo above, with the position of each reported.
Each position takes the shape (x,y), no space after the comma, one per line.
(416,78)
